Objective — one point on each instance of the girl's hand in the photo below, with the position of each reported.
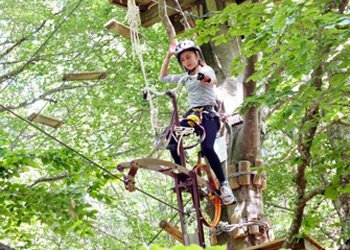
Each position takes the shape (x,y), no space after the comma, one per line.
(172,47)
(205,79)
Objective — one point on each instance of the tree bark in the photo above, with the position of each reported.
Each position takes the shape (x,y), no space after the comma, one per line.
(339,136)
(4,247)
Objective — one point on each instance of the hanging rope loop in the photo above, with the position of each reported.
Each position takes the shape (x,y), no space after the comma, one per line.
(133,17)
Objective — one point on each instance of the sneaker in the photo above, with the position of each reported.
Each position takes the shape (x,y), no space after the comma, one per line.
(227,196)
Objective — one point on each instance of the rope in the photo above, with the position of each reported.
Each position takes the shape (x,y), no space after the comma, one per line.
(179,133)
(43,44)
(183,14)
(224,227)
(244,173)
(84,157)
(133,17)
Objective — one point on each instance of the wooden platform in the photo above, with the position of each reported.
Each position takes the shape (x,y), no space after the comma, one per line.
(119,28)
(149,14)
(306,243)
(42,119)
(79,76)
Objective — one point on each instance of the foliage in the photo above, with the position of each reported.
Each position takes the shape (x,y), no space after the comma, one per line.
(293,40)
(53,199)
(50,197)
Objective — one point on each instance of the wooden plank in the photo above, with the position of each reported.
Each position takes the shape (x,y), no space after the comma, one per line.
(211,5)
(42,119)
(78,76)
(120,3)
(173,231)
(119,28)
(315,243)
(161,165)
(145,5)
(277,244)
(151,17)
(243,166)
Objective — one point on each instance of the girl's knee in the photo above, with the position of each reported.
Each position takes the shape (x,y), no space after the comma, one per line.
(208,150)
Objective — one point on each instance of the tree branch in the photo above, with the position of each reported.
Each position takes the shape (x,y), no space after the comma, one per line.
(48,179)
(20,41)
(9,49)
(165,19)
(44,96)
(18,70)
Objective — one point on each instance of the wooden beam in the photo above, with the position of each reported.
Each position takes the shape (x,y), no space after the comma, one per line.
(119,28)
(48,121)
(173,231)
(277,244)
(151,16)
(120,3)
(211,5)
(91,75)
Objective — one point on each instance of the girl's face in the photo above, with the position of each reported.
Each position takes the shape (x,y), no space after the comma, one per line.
(189,59)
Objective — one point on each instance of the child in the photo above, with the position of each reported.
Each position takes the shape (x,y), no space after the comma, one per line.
(202,96)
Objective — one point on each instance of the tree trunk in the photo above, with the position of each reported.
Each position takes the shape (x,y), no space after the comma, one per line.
(339,136)
(4,247)
(230,91)
(247,145)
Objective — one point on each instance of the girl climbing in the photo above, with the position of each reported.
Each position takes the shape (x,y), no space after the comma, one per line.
(202,99)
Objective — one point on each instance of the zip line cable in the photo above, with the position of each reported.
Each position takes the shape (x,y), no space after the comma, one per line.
(85,157)
(43,44)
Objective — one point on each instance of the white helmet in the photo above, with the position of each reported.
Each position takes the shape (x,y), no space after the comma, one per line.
(186,45)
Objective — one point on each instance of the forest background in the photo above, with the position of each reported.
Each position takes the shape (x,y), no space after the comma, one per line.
(52,198)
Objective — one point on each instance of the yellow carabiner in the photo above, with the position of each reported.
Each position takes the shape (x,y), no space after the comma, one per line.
(194,118)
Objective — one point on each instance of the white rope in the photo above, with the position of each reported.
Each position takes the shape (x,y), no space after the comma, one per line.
(179,132)
(183,14)
(133,17)
(224,227)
